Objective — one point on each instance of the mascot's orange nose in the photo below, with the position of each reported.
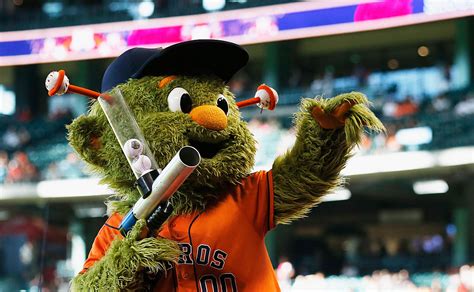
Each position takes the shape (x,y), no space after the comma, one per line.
(210,117)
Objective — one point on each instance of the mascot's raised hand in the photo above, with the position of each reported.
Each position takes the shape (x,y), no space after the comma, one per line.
(327,130)
(214,240)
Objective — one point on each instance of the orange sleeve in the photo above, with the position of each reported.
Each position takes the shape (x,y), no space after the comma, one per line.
(269,189)
(102,241)
(257,200)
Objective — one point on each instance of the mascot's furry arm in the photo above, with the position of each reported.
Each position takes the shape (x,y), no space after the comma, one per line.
(123,266)
(327,130)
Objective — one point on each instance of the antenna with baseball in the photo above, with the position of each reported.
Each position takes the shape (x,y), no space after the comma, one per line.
(57,83)
(156,186)
(265,98)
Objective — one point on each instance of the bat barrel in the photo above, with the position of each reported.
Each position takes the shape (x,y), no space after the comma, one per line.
(164,186)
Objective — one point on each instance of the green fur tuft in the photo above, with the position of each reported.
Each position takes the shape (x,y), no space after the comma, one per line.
(126,261)
(311,168)
(85,129)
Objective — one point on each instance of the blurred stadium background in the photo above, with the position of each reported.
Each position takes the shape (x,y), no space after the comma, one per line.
(404,221)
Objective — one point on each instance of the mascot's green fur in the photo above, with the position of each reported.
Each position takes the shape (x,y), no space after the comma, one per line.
(301,177)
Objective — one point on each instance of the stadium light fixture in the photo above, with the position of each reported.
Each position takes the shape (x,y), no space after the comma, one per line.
(428,187)
(390,162)
(393,64)
(53,9)
(423,51)
(340,194)
(414,136)
(7,101)
(88,211)
(213,5)
(146,8)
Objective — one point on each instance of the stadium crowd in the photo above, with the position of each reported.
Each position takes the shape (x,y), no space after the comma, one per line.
(16,165)
(457,280)
(19,168)
(34,149)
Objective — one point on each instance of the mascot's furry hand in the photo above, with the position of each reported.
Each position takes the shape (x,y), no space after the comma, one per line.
(327,130)
(122,268)
(336,118)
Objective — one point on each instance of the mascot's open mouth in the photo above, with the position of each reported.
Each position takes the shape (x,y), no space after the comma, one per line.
(207,150)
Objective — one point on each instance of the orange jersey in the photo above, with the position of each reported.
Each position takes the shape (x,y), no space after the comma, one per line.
(223,247)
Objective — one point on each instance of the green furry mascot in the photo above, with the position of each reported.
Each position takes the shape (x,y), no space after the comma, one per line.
(214,240)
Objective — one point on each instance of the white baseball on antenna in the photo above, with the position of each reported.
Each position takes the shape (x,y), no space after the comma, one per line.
(268,97)
(52,80)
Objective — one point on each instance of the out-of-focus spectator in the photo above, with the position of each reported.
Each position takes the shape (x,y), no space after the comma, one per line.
(466,106)
(441,103)
(362,75)
(15,171)
(377,282)
(466,279)
(287,140)
(20,169)
(52,172)
(295,78)
(389,107)
(323,85)
(60,113)
(365,144)
(24,115)
(238,84)
(3,166)
(378,142)
(285,272)
(391,143)
(268,136)
(407,107)
(71,167)
(317,84)
(24,136)
(11,138)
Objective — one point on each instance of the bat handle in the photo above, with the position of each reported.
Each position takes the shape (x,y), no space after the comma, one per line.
(159,216)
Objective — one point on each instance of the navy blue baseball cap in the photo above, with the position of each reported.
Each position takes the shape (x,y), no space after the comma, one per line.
(220,58)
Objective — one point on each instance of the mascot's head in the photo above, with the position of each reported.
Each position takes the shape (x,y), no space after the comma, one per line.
(179,97)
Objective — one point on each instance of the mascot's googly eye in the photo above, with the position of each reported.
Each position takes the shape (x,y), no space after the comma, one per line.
(223,104)
(179,100)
